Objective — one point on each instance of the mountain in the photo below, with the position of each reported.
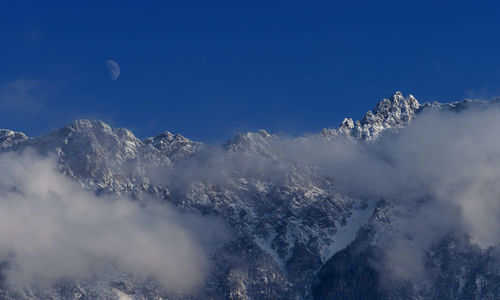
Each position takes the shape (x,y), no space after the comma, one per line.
(394,112)
(295,234)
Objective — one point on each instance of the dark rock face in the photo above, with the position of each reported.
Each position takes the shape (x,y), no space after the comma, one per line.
(350,274)
(455,268)
(292,231)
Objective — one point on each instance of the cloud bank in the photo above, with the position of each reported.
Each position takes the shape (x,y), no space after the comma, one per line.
(442,172)
(51,228)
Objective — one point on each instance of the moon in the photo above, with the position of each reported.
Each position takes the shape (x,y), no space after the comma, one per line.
(113,69)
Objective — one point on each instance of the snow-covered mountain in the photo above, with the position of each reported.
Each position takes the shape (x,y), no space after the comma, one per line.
(394,112)
(295,235)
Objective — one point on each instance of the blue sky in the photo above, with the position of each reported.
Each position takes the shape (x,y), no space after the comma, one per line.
(210,69)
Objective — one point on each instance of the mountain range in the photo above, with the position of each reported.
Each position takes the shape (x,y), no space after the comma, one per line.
(295,232)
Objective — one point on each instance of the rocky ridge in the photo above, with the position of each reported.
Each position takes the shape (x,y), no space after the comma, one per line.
(293,231)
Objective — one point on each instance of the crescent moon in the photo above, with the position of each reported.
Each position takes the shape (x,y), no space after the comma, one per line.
(113,69)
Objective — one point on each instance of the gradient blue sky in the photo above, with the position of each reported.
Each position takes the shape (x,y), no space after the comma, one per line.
(210,69)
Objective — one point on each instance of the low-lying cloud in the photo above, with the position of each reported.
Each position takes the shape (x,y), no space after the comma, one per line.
(52,228)
(442,172)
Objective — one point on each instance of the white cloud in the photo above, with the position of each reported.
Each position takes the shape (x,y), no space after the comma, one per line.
(52,228)
(442,172)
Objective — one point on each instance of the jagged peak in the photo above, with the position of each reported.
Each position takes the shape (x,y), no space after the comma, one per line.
(242,138)
(395,101)
(125,133)
(396,96)
(9,137)
(174,146)
(164,135)
(85,124)
(258,143)
(168,137)
(394,111)
(7,133)
(264,133)
(347,123)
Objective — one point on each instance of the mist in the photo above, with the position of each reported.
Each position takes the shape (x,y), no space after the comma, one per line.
(52,228)
(441,174)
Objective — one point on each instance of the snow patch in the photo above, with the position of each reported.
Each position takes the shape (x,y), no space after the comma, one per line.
(122,296)
(346,234)
(265,244)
